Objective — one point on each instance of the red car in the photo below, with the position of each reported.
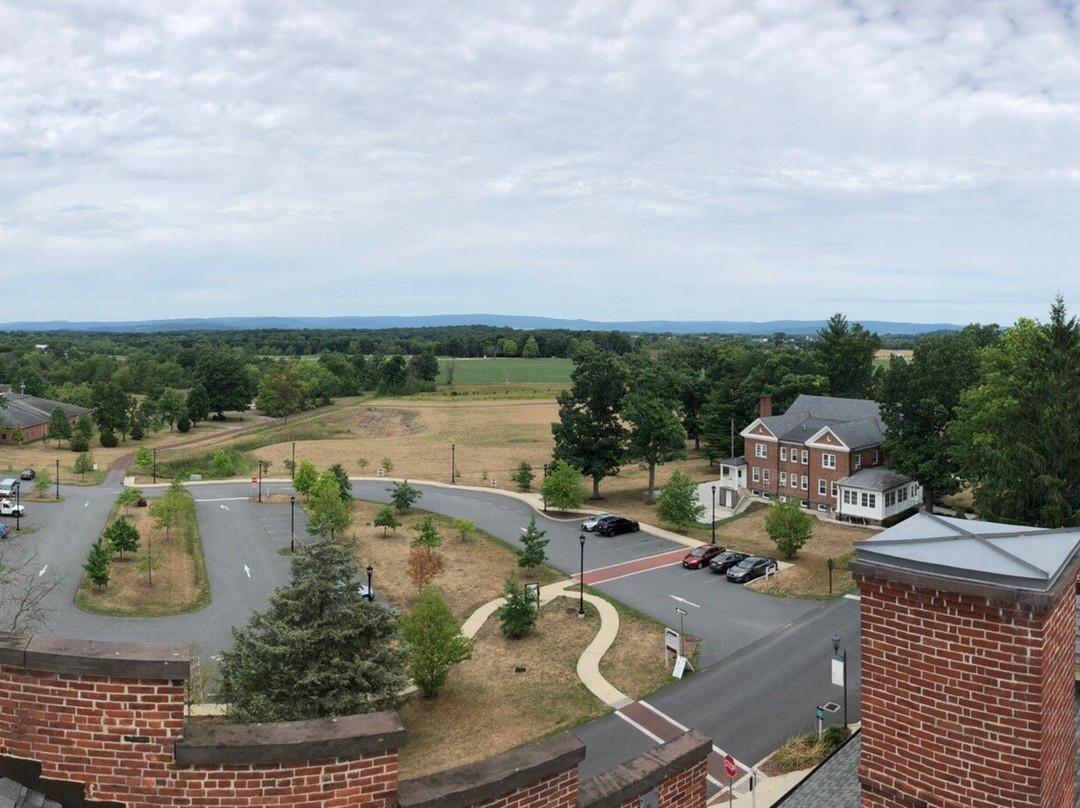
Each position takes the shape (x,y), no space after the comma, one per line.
(701,556)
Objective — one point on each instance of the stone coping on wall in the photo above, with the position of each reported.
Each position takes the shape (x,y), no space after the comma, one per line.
(645,772)
(350,736)
(94,658)
(492,778)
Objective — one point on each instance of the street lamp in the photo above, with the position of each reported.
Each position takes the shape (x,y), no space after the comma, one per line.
(370,591)
(452,465)
(714,514)
(682,614)
(842,656)
(292,523)
(58,478)
(155,465)
(18,488)
(292,471)
(581,585)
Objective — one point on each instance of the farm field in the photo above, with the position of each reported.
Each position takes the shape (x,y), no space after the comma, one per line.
(507,370)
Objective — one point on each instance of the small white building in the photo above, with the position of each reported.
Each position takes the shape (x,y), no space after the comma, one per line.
(875,494)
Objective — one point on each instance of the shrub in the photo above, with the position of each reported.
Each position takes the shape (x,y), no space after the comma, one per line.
(183,424)
(108,439)
(835,736)
(79,443)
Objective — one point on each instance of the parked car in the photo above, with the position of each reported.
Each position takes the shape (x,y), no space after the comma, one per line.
(749,568)
(616,525)
(700,556)
(590,524)
(9,508)
(3,530)
(8,486)
(725,561)
(28,474)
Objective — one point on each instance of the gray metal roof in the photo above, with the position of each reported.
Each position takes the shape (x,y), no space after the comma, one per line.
(23,411)
(856,421)
(13,795)
(874,478)
(1006,556)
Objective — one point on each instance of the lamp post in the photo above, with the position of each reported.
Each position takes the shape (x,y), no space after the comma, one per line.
(542,494)
(581,583)
(453,472)
(58,478)
(682,614)
(292,474)
(714,514)
(370,591)
(18,488)
(842,655)
(292,523)
(155,465)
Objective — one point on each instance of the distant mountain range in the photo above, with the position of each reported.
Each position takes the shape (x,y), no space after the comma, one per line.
(793,327)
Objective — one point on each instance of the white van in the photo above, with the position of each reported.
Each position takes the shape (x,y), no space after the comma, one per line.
(8,486)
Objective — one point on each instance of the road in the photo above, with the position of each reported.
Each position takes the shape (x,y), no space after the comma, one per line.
(764,662)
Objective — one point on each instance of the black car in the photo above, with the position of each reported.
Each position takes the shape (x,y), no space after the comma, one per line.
(616,525)
(749,568)
(725,561)
(28,474)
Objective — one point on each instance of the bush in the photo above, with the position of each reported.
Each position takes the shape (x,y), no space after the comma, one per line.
(183,425)
(137,432)
(518,615)
(108,439)
(79,443)
(835,736)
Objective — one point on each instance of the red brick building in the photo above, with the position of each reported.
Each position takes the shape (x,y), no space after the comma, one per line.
(826,452)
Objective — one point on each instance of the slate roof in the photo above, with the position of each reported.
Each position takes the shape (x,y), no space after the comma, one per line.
(13,795)
(874,478)
(1009,556)
(23,410)
(855,421)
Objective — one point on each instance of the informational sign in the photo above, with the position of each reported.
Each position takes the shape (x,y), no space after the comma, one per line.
(680,667)
(254,480)
(838,672)
(671,640)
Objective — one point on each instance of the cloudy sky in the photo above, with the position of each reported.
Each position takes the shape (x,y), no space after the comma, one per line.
(601,159)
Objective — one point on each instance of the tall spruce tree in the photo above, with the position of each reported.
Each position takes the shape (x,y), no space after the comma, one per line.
(319,650)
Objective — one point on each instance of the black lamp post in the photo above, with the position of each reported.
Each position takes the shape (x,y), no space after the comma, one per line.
(292,474)
(370,591)
(581,587)
(714,514)
(292,523)
(58,478)
(155,465)
(843,661)
(453,471)
(18,488)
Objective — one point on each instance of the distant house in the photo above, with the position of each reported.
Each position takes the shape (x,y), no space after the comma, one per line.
(826,453)
(29,415)
(885,354)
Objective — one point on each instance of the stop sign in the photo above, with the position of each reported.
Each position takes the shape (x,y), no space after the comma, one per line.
(729,766)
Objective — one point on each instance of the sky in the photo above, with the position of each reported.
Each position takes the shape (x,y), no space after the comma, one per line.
(602,159)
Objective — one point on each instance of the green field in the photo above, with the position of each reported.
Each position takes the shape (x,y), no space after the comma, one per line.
(508,371)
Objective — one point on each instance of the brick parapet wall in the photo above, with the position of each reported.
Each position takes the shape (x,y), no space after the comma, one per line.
(677,770)
(966,700)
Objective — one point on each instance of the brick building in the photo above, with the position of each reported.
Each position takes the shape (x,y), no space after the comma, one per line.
(27,417)
(968,678)
(825,452)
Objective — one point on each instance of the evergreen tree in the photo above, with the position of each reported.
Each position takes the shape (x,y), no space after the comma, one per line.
(343,481)
(523,476)
(517,616)
(533,544)
(97,563)
(83,464)
(846,354)
(435,641)
(320,649)
(678,501)
(590,435)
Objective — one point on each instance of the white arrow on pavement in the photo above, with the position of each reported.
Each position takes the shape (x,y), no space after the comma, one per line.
(247,570)
(684,600)
(224,507)
(42,570)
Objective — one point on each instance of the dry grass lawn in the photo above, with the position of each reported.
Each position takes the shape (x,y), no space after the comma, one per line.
(176,586)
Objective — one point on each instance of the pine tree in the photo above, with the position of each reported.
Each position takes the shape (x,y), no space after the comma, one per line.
(97,563)
(319,650)
(517,616)
(533,541)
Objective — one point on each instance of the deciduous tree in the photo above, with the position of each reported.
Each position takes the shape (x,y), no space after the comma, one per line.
(789,526)
(386,519)
(403,495)
(563,489)
(305,477)
(425,564)
(329,515)
(122,536)
(678,501)
(846,353)
(59,425)
(435,641)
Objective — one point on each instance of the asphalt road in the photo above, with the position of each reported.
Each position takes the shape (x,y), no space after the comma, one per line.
(764,663)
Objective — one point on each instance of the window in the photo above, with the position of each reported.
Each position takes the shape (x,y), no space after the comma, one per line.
(876,456)
(806,457)
(828,460)
(761,450)
(835,490)
(822,488)
(823,508)
(783,454)
(850,497)
(858,462)
(765,476)
(869,500)
(783,475)
(756,474)
(805,482)
(890,499)
(794,480)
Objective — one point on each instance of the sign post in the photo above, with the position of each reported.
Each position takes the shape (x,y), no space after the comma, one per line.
(732,770)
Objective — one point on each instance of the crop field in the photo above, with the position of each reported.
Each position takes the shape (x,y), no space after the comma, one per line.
(508,370)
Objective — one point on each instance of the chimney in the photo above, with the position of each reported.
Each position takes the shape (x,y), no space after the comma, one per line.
(765,406)
(967,665)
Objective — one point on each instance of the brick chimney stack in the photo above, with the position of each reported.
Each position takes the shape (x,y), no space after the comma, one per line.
(765,406)
(968,650)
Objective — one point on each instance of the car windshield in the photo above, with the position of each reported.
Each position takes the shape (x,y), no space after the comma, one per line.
(747,563)
(699,552)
